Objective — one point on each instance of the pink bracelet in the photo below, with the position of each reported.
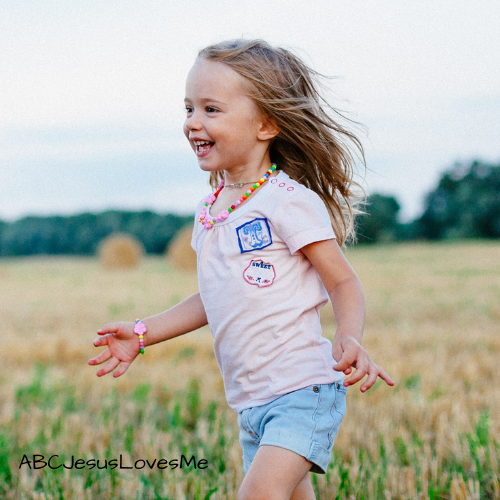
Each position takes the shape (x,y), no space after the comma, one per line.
(140,329)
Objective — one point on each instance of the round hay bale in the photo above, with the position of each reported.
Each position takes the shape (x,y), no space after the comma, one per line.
(180,252)
(120,250)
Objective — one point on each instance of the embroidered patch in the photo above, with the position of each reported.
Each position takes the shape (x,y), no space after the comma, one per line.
(254,235)
(259,273)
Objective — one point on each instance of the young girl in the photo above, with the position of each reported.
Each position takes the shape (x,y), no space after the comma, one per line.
(268,245)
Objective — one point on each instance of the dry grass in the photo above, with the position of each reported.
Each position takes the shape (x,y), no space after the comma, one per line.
(432,322)
(180,253)
(120,250)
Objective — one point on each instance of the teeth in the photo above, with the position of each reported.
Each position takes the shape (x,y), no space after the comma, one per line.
(201,143)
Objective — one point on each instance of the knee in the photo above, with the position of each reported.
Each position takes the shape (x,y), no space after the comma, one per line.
(257,496)
(247,494)
(258,493)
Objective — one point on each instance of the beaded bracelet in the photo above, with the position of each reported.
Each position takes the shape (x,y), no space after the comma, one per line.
(140,329)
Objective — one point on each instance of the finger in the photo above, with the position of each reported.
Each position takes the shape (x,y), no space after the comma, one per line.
(101,340)
(110,328)
(385,376)
(371,379)
(109,367)
(347,371)
(360,372)
(123,368)
(344,363)
(100,358)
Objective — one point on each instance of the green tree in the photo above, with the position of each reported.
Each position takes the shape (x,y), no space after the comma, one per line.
(466,204)
(379,223)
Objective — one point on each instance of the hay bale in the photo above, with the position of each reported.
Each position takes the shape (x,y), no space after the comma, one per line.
(120,250)
(180,253)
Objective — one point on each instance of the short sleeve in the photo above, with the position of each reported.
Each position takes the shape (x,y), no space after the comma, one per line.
(302,219)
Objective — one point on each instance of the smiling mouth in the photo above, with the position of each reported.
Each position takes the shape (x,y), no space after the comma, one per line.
(203,147)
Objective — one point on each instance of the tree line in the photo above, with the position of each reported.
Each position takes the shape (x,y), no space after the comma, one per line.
(81,234)
(465,204)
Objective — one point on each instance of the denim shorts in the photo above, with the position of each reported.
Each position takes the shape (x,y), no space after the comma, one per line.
(304,421)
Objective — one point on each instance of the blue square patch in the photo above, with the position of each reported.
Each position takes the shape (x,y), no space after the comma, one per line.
(254,235)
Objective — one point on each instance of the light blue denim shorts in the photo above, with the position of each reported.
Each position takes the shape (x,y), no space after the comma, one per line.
(304,421)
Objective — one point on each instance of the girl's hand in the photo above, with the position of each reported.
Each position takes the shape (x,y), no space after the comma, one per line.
(350,353)
(123,347)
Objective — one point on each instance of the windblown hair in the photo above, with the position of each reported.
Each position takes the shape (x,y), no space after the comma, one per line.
(311,147)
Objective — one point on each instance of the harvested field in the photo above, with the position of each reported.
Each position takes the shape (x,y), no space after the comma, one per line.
(432,321)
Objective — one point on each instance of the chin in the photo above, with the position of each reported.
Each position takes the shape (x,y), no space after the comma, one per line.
(207,167)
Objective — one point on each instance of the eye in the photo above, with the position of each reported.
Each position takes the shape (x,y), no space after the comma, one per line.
(210,109)
(189,109)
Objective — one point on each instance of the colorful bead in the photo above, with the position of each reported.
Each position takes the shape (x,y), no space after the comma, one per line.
(140,329)
(210,199)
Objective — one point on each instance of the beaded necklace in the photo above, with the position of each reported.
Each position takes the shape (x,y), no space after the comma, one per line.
(208,222)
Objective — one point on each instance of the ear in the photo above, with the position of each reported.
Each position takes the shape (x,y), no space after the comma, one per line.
(268,128)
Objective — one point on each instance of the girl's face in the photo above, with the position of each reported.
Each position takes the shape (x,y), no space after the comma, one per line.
(223,125)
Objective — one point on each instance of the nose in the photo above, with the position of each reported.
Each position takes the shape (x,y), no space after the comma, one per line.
(193,122)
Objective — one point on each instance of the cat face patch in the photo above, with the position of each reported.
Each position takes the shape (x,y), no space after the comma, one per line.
(259,273)
(254,235)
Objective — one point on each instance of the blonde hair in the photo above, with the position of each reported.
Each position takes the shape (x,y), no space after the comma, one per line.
(311,147)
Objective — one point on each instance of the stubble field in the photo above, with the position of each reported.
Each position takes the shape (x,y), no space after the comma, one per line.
(433,314)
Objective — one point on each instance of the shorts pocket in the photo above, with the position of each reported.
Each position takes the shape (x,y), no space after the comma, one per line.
(245,424)
(340,400)
(337,411)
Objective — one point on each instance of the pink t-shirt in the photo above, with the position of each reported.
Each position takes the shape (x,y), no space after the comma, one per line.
(262,295)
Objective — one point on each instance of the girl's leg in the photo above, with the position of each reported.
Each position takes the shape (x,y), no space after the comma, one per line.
(275,474)
(304,490)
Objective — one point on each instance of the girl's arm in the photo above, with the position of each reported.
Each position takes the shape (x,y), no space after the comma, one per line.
(123,343)
(345,291)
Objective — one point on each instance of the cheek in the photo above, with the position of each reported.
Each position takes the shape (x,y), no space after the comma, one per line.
(240,131)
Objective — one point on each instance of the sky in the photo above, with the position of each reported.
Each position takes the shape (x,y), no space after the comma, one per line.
(91,93)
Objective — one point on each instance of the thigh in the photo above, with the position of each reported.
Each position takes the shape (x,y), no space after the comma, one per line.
(274,474)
